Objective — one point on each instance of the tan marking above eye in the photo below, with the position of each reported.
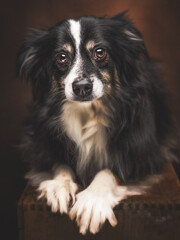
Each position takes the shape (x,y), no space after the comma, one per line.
(90,45)
(67,47)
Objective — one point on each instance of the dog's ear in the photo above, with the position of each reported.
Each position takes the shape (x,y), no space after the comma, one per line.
(27,57)
(130,51)
(129,36)
(33,59)
(120,16)
(131,33)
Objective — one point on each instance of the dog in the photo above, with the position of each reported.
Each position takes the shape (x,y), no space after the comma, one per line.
(99,118)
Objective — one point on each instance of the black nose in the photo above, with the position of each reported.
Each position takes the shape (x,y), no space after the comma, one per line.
(82,88)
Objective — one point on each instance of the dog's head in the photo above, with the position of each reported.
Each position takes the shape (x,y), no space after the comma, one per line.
(81,59)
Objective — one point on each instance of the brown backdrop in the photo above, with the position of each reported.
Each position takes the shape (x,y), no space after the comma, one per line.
(158,20)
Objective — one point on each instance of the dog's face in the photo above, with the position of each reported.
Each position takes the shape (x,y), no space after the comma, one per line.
(83,59)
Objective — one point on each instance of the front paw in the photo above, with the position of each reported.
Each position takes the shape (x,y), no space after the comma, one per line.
(91,210)
(58,193)
(95,205)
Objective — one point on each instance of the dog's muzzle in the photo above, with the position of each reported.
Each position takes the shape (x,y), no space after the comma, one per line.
(82,88)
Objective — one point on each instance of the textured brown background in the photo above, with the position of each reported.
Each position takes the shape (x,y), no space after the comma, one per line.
(159,22)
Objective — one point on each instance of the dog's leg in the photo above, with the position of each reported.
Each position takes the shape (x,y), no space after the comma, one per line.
(59,188)
(95,204)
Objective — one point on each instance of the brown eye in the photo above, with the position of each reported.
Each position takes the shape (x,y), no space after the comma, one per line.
(62,58)
(100,53)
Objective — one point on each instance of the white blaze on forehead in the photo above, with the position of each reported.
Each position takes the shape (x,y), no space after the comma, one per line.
(75,30)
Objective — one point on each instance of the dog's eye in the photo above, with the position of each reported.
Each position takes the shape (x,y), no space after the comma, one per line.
(62,58)
(100,53)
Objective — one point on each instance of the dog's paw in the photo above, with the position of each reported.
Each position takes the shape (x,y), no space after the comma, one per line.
(91,210)
(59,194)
(93,207)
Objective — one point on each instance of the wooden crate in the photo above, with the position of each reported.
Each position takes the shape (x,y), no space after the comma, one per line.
(155,216)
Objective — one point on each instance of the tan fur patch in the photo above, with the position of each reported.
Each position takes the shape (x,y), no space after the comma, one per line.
(90,45)
(67,47)
(106,76)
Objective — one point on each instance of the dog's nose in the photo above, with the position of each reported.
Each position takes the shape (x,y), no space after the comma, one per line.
(82,88)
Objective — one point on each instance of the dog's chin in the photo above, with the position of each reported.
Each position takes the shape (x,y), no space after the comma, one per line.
(82,100)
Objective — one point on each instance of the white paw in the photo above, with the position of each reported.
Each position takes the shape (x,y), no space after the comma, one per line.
(58,193)
(93,207)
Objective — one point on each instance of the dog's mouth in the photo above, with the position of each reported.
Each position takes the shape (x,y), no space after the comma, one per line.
(84,99)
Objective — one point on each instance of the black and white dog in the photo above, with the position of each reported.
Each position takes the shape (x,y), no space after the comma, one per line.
(99,114)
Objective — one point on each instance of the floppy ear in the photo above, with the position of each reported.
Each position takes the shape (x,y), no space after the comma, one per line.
(33,59)
(129,30)
(130,51)
(120,16)
(27,58)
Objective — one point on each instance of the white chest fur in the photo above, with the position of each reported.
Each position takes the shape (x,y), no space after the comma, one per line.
(85,124)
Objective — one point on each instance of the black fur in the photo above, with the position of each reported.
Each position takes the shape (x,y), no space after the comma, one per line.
(140,134)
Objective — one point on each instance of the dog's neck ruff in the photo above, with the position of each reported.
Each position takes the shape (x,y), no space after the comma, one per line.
(85,124)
